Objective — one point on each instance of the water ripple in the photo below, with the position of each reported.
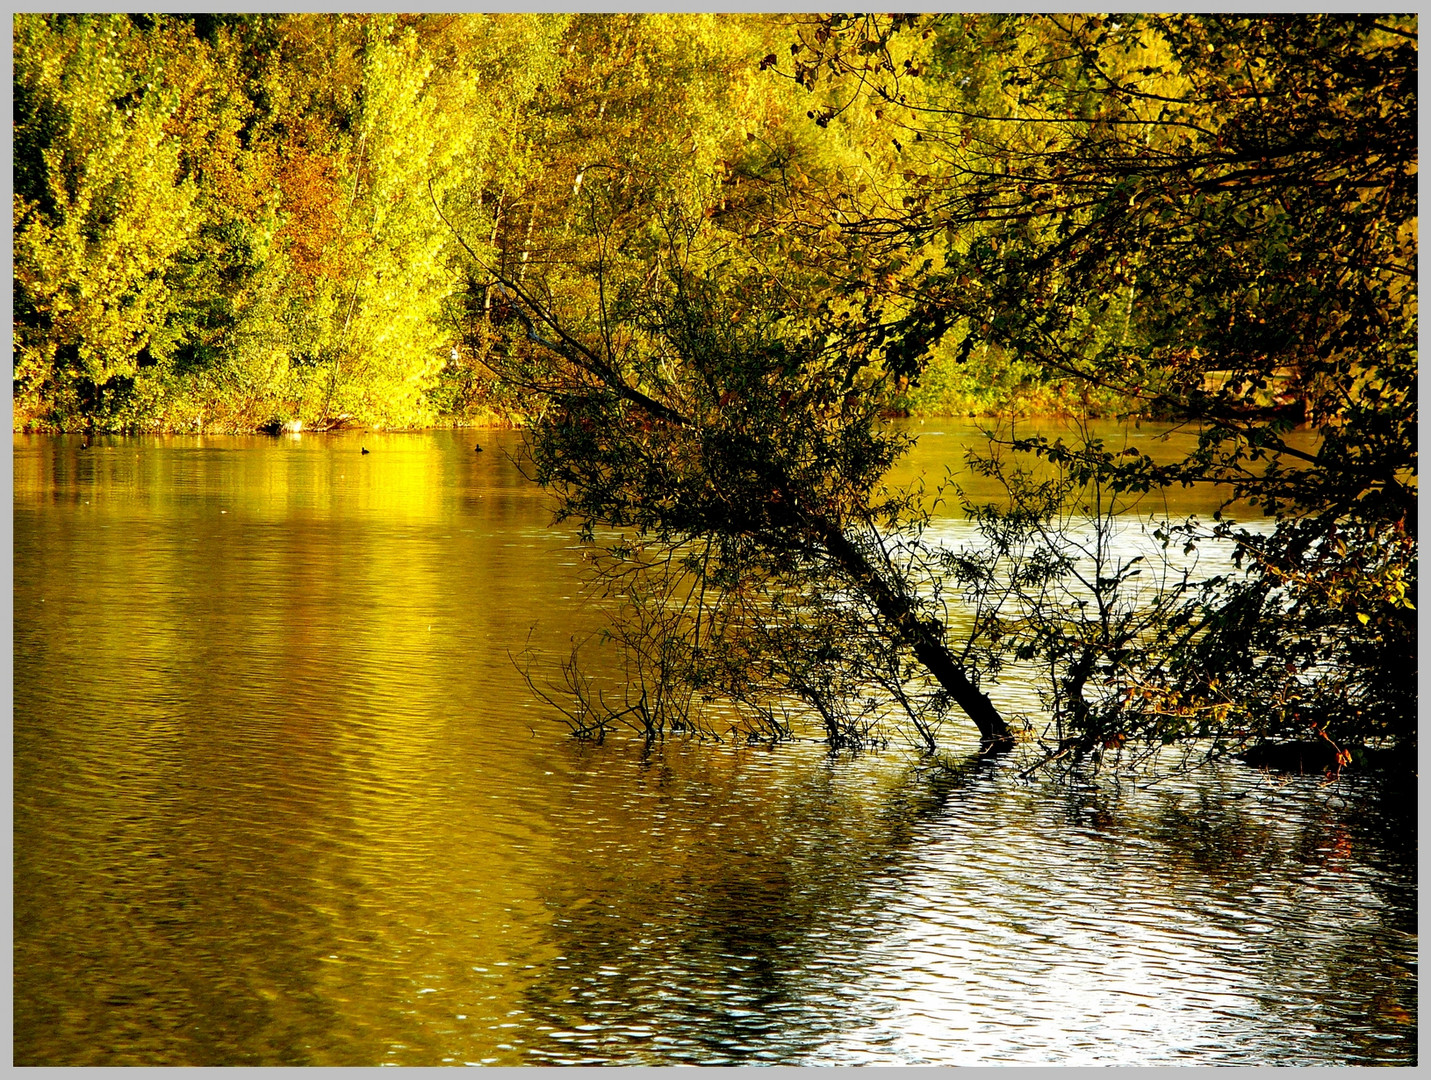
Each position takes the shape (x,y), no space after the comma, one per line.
(281,797)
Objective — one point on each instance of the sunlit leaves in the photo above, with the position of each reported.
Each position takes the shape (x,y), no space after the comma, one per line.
(101,207)
(1209,219)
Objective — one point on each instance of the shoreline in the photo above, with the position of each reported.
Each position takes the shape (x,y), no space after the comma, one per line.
(497,423)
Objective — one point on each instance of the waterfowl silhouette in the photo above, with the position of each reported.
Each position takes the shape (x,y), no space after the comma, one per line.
(364,449)
(478,448)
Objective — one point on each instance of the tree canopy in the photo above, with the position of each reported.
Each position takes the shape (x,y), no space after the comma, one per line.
(1206,220)
(703,259)
(223,222)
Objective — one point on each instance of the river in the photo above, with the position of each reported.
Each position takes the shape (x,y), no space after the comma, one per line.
(281,798)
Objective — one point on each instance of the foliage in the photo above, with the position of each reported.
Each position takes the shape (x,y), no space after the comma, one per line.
(226,221)
(267,220)
(1213,218)
(724,437)
(99,209)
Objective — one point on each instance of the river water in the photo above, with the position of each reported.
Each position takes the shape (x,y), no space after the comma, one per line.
(281,798)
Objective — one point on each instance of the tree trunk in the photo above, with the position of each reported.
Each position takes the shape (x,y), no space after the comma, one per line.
(926,642)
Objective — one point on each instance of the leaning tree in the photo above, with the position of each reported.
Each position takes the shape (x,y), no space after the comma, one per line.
(714,426)
(1209,220)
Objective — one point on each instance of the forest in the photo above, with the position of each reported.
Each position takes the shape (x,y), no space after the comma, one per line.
(223,223)
(704,259)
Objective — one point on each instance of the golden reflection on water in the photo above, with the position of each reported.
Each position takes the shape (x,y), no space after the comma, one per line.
(249,677)
(282,798)
(939,457)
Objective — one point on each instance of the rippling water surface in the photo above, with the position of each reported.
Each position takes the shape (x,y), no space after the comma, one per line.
(281,797)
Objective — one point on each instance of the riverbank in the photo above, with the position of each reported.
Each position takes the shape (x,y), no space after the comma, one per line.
(1041,407)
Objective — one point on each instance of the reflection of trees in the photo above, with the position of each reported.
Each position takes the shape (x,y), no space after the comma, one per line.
(226,728)
(1311,893)
(721,909)
(726,925)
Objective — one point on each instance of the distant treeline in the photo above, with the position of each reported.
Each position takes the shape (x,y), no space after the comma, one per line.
(223,222)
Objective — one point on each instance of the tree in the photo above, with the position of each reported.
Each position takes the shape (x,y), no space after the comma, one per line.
(101,210)
(644,106)
(1215,219)
(1207,220)
(686,385)
(730,434)
(223,221)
